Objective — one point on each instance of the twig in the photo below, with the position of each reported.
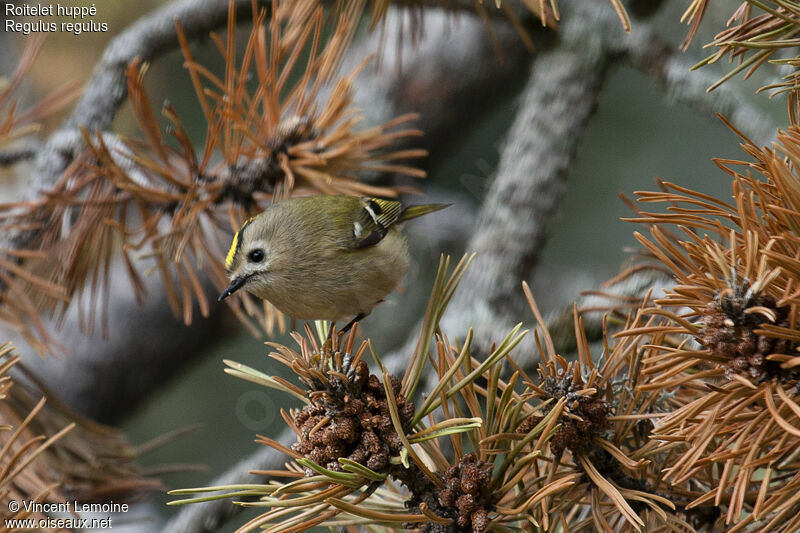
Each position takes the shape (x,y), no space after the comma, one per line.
(14,156)
(624,294)
(147,38)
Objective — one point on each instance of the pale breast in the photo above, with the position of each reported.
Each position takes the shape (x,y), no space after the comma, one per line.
(342,284)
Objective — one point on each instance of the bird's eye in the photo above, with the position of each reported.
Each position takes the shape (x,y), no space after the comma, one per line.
(256,256)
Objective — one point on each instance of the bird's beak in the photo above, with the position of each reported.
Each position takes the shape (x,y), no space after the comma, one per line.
(235,285)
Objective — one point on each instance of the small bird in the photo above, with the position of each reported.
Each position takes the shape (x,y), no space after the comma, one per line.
(323,257)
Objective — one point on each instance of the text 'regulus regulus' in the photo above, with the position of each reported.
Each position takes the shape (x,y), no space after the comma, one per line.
(322,257)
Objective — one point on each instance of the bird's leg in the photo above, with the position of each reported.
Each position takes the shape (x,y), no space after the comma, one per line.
(349,325)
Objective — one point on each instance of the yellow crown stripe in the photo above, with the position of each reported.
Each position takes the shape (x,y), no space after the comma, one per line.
(232,251)
(236,244)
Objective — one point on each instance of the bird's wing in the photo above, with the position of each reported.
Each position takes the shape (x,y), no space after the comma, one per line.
(376,216)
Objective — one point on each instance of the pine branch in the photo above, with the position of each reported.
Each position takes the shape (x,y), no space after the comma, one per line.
(525,194)
(210,516)
(383,94)
(448,60)
(146,39)
(151,36)
(564,65)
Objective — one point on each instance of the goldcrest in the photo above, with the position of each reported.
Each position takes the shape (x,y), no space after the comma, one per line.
(322,257)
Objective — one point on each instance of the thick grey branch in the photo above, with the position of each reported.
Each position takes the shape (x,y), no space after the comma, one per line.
(106,90)
(450,77)
(522,200)
(525,194)
(106,377)
(146,39)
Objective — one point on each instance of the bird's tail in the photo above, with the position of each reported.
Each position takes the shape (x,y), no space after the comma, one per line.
(414,211)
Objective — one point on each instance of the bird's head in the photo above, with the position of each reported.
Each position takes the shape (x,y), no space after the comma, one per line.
(248,261)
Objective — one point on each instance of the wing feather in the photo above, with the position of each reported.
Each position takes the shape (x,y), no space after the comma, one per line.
(374,220)
(377,216)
